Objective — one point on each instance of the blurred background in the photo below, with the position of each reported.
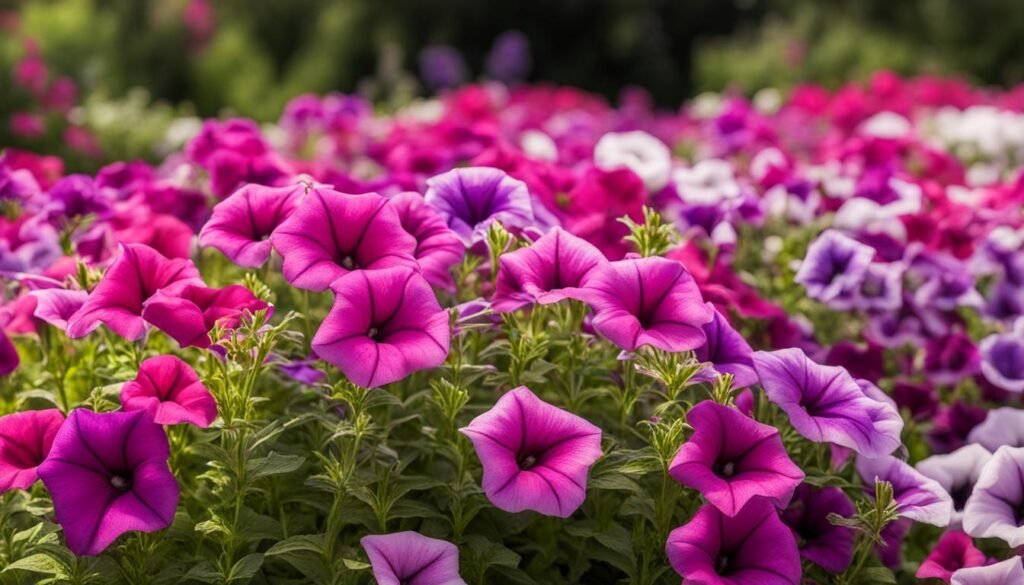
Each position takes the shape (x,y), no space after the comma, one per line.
(95,80)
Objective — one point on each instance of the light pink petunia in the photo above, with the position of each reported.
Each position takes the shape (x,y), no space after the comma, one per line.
(535,456)
(170,392)
(383,326)
(553,268)
(332,234)
(137,274)
(648,301)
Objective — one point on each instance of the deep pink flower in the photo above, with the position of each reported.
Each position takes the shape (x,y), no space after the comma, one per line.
(108,474)
(648,301)
(189,313)
(535,455)
(25,441)
(553,268)
(438,248)
(753,548)
(332,234)
(732,459)
(825,403)
(409,558)
(137,274)
(56,305)
(384,325)
(170,392)
(954,551)
(241,225)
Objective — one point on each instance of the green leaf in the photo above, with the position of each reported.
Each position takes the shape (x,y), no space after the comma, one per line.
(246,567)
(273,464)
(40,563)
(354,565)
(303,542)
(876,576)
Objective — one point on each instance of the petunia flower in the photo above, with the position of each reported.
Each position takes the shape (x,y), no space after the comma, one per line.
(727,351)
(25,441)
(951,358)
(828,545)
(170,392)
(56,305)
(535,456)
(957,472)
(732,459)
(825,403)
(752,548)
(240,225)
(1002,358)
(954,551)
(332,234)
(137,274)
(1008,572)
(189,313)
(553,268)
(994,508)
(917,496)
(383,326)
(471,199)
(9,359)
(648,301)
(834,266)
(1002,426)
(639,152)
(108,474)
(438,248)
(409,558)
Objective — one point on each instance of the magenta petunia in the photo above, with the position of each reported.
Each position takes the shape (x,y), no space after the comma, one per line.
(25,441)
(535,455)
(471,199)
(917,496)
(240,226)
(170,392)
(752,548)
(332,234)
(383,326)
(1008,572)
(189,313)
(437,246)
(828,545)
(954,551)
(727,352)
(56,305)
(825,403)
(648,301)
(108,474)
(409,558)
(732,459)
(137,274)
(553,268)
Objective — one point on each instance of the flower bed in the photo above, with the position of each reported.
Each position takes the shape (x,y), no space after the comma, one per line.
(519,336)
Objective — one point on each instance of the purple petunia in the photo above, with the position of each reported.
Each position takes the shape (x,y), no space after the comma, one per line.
(25,441)
(918,497)
(727,352)
(240,225)
(732,459)
(108,474)
(1001,426)
(825,403)
(753,548)
(535,456)
(437,246)
(471,199)
(994,508)
(117,301)
(648,301)
(409,558)
(189,313)
(552,269)
(170,392)
(834,266)
(828,545)
(1002,358)
(383,326)
(956,472)
(1008,572)
(56,305)
(332,234)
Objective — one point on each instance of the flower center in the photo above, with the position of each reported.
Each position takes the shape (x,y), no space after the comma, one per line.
(960,493)
(348,263)
(725,468)
(724,565)
(373,333)
(527,461)
(121,482)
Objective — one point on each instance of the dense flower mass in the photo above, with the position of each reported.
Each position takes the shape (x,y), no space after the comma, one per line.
(516,335)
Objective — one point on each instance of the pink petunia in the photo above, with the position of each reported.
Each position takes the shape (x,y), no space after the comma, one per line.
(170,392)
